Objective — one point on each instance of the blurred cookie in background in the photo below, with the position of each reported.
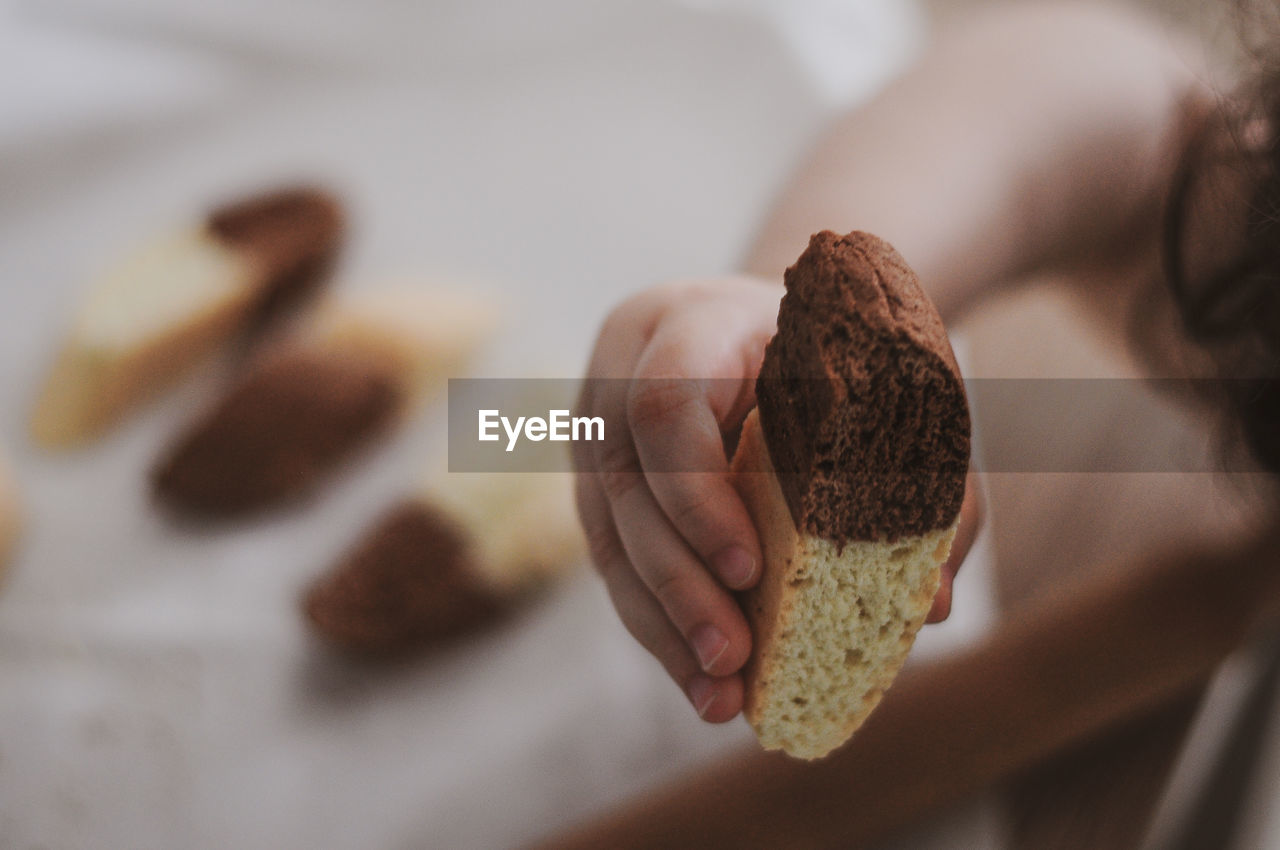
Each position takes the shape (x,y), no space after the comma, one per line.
(179,298)
(423,334)
(444,565)
(317,397)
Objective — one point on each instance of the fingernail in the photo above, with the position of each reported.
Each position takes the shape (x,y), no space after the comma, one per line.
(709,643)
(702,693)
(734,566)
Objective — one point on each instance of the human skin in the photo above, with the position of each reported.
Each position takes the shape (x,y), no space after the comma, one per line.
(1003,154)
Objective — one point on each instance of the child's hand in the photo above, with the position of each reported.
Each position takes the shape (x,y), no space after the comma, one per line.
(671,545)
(668,544)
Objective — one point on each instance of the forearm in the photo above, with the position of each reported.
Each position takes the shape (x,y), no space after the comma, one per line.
(1029,140)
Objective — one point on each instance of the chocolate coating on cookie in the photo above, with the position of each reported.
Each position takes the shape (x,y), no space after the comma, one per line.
(861,402)
(293,234)
(410,581)
(290,421)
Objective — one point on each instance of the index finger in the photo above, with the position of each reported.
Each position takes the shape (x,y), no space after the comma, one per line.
(678,421)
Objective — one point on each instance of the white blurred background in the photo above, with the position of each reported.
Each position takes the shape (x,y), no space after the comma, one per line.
(157,686)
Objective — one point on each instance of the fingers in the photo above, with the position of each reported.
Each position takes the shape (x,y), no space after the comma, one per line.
(701,610)
(715,699)
(674,428)
(689,386)
(971,515)
(668,543)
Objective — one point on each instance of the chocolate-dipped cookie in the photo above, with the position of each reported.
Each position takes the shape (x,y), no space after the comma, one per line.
(317,397)
(441,566)
(176,300)
(853,468)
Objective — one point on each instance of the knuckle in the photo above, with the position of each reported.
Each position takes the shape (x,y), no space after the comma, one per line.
(655,402)
(695,512)
(637,626)
(641,628)
(637,629)
(636,310)
(618,484)
(650,627)
(619,471)
(671,587)
(619,318)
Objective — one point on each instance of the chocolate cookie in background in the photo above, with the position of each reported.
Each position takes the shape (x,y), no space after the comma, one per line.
(317,396)
(446,564)
(293,236)
(177,300)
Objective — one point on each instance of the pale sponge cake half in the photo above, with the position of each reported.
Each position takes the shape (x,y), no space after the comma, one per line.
(853,468)
(831,626)
(175,300)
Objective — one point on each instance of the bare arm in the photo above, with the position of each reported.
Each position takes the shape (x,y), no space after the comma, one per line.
(1031,137)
